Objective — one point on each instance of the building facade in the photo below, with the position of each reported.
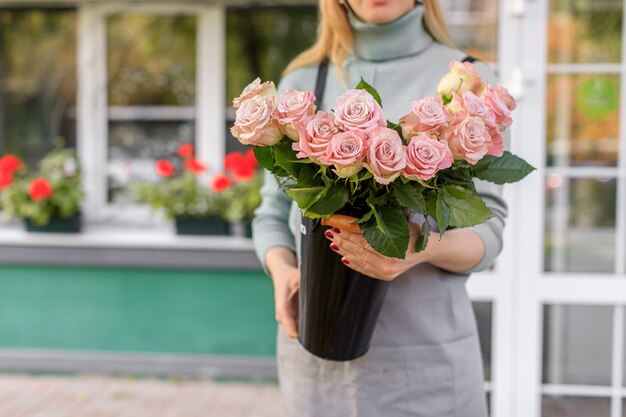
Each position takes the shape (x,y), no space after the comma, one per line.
(127,81)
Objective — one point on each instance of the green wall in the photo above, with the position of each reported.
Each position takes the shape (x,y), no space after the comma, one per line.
(145,310)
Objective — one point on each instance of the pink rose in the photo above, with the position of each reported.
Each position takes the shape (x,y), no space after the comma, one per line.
(497,144)
(357,110)
(385,157)
(292,108)
(315,134)
(425,156)
(254,124)
(255,88)
(475,106)
(468,138)
(463,76)
(346,152)
(506,97)
(497,106)
(426,115)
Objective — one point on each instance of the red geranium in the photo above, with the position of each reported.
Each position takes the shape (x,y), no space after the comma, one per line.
(239,165)
(220,182)
(164,168)
(39,188)
(186,150)
(10,163)
(6,179)
(192,164)
(251,158)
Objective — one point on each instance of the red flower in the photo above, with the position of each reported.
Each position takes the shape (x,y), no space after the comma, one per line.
(164,168)
(251,158)
(220,182)
(192,164)
(39,188)
(239,165)
(6,179)
(186,150)
(10,163)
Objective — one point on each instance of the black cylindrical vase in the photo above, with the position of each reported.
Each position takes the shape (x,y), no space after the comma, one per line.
(339,307)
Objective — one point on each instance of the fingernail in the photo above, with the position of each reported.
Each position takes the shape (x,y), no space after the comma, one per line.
(345,261)
(328,234)
(334,247)
(336,230)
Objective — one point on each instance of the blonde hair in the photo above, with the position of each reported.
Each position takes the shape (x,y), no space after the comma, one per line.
(334,38)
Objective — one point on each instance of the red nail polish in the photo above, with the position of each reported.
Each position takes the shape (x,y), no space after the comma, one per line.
(334,247)
(328,234)
(345,261)
(336,230)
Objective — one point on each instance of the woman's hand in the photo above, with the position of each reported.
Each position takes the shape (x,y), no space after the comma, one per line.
(458,250)
(285,273)
(347,240)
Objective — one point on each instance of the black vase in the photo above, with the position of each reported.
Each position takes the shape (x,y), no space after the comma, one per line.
(339,307)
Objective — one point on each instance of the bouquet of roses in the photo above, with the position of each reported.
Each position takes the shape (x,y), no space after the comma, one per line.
(353,157)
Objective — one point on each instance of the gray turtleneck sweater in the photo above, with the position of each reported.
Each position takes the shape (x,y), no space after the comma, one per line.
(404,63)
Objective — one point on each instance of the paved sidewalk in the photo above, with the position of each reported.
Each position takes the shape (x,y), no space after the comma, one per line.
(104,396)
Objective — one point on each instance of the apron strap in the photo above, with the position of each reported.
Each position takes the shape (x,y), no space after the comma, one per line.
(320,84)
(469,58)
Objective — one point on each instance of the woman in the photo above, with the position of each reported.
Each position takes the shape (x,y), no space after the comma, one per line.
(424,358)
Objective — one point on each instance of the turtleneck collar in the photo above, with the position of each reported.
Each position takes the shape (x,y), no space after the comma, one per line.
(403,37)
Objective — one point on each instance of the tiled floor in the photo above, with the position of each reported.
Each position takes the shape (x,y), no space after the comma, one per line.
(103,396)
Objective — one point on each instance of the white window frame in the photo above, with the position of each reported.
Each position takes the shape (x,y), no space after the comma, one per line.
(533,287)
(92,106)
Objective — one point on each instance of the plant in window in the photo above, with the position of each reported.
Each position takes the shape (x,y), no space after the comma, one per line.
(49,200)
(195,208)
(241,185)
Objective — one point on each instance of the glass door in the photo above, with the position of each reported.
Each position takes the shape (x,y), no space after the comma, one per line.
(570,289)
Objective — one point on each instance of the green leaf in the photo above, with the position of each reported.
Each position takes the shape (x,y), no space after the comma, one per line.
(443,213)
(503,169)
(265,157)
(286,158)
(410,195)
(394,240)
(466,207)
(365,86)
(422,241)
(305,197)
(304,171)
(331,201)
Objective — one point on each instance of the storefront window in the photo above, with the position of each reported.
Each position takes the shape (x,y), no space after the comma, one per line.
(580,224)
(474,27)
(37,81)
(585,31)
(151,94)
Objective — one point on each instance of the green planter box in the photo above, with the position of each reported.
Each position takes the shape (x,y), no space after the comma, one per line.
(202,226)
(56,225)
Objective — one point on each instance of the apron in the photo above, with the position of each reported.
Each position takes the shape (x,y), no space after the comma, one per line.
(424,358)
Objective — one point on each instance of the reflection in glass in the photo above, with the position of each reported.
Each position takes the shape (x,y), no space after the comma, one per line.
(151,60)
(583,119)
(561,406)
(261,41)
(152,90)
(577,344)
(473,26)
(579,224)
(483,312)
(37,96)
(585,31)
(135,146)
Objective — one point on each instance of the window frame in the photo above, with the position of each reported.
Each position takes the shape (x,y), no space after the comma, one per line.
(92,96)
